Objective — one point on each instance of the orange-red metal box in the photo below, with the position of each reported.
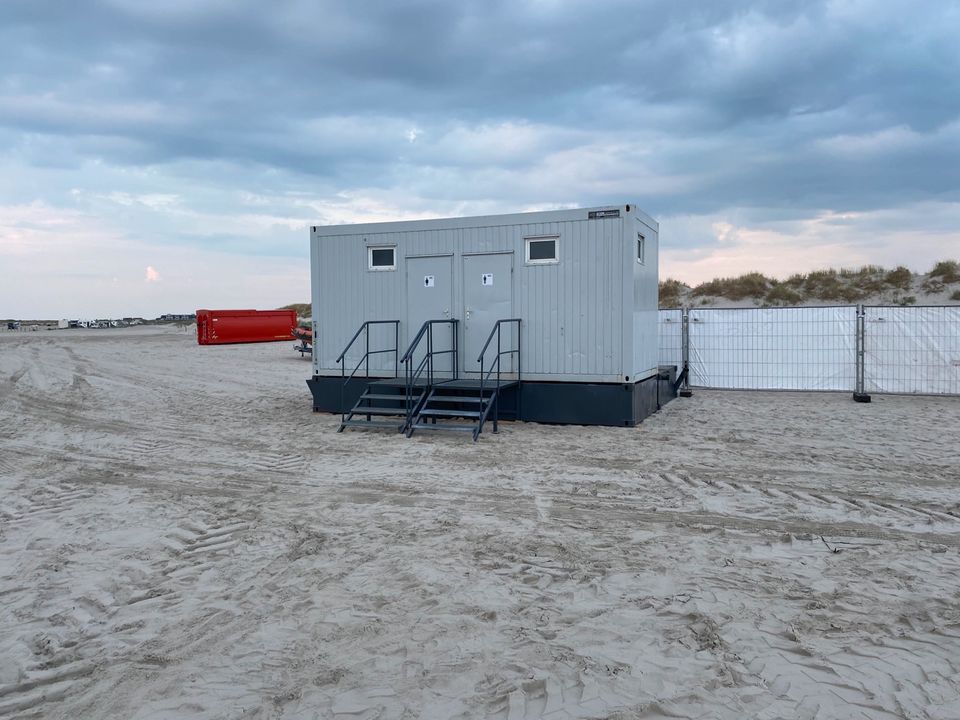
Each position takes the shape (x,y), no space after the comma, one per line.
(219,327)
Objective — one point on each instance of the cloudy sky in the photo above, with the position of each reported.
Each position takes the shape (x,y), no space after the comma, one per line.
(163,156)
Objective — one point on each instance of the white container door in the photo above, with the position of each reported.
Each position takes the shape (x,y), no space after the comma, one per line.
(430,297)
(487,297)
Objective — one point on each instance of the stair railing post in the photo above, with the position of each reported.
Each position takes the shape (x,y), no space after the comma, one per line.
(430,354)
(409,397)
(366,358)
(496,394)
(519,386)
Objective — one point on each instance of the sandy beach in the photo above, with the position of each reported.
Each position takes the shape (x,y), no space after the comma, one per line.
(181,537)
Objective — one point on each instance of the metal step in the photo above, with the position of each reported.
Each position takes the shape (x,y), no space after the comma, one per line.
(398,398)
(372,410)
(372,423)
(457,398)
(450,413)
(443,426)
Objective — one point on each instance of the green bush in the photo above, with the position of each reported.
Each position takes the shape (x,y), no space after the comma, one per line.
(750,285)
(824,285)
(782,295)
(795,281)
(671,293)
(303,309)
(899,278)
(948,271)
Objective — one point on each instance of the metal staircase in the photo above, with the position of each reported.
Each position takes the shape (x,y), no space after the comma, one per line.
(428,398)
(422,378)
(373,404)
(382,399)
(465,405)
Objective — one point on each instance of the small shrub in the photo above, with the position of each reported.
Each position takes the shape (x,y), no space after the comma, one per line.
(948,271)
(303,309)
(824,285)
(932,286)
(783,294)
(906,300)
(711,287)
(868,280)
(671,293)
(899,278)
(956,295)
(751,285)
(795,281)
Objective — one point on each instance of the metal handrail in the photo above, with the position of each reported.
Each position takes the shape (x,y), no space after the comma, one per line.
(365,328)
(426,330)
(496,364)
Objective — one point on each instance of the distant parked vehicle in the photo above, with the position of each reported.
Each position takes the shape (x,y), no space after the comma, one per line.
(13,325)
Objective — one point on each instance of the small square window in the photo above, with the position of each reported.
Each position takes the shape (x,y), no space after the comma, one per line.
(542,250)
(382,258)
(641,241)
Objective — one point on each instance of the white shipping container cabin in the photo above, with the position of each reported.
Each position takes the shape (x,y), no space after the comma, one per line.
(407,309)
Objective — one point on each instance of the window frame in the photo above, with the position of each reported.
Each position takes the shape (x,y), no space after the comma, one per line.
(641,248)
(381,268)
(528,240)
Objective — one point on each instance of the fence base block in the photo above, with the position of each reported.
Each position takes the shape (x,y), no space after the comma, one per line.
(686,392)
(861,397)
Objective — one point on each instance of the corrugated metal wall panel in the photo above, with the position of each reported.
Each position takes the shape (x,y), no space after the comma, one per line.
(645,301)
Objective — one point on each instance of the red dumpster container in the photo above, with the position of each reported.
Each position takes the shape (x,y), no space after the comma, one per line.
(219,327)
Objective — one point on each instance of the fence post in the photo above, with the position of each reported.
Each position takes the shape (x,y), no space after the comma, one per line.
(685,390)
(858,392)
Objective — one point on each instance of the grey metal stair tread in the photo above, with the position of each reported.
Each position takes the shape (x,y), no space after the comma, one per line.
(374,410)
(443,426)
(470,384)
(457,398)
(397,382)
(372,423)
(450,413)
(375,396)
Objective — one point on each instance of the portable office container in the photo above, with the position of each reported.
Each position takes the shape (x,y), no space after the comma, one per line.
(221,327)
(583,284)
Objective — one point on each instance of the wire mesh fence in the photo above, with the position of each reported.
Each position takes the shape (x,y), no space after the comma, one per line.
(912,350)
(773,348)
(904,349)
(671,337)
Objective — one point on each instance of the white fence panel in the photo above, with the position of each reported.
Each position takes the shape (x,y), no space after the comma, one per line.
(773,348)
(671,338)
(912,350)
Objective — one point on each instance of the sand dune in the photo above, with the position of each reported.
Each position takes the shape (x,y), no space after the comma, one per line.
(181,537)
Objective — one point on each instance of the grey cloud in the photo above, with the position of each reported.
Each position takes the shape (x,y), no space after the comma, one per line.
(725,103)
